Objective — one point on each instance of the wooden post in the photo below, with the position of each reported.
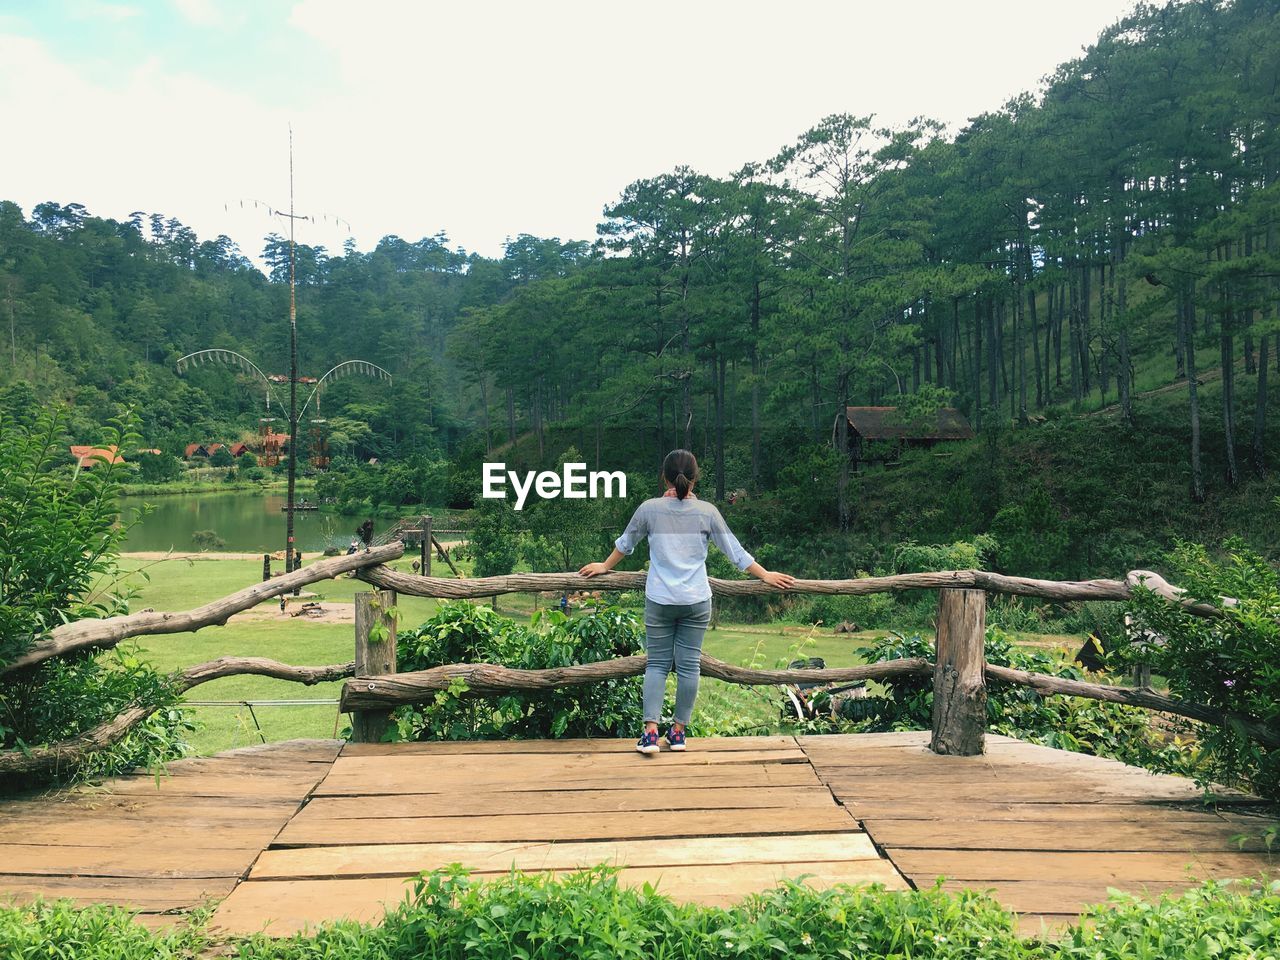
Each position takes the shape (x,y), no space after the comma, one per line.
(373,656)
(426,546)
(266,566)
(959,679)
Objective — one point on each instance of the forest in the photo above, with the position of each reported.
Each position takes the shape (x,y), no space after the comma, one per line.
(1089,274)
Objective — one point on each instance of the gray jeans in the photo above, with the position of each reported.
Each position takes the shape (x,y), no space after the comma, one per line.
(673,638)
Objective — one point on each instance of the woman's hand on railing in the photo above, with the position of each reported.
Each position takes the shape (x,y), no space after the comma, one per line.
(783,581)
(593,570)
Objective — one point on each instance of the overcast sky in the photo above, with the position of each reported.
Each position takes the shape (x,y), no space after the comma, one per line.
(480,118)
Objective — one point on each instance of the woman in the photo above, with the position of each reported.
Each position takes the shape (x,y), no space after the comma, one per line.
(677,606)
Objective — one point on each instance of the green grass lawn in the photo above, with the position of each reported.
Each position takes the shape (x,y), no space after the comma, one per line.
(182,584)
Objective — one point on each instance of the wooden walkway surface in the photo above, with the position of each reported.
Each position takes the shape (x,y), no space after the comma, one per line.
(292,834)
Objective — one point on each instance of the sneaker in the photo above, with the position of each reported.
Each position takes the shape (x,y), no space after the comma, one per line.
(675,739)
(648,742)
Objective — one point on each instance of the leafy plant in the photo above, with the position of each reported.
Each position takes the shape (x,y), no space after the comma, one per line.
(462,632)
(1226,661)
(58,541)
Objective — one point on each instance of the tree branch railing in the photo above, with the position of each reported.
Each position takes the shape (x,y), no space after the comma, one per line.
(1059,591)
(960,672)
(107,632)
(49,758)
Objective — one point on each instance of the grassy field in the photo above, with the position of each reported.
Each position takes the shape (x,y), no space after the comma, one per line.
(180,584)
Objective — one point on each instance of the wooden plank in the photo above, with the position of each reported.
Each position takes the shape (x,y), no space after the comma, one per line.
(403,859)
(496,779)
(283,907)
(564,826)
(194,835)
(133,861)
(263,787)
(531,747)
(1117,869)
(850,791)
(537,802)
(133,893)
(1100,836)
(1047,812)
(1070,897)
(554,764)
(154,808)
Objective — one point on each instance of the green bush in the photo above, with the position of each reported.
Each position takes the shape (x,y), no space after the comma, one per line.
(589,915)
(462,632)
(205,540)
(60,929)
(59,538)
(912,557)
(1067,723)
(1227,662)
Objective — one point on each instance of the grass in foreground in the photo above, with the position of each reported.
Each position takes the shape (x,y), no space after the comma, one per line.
(589,915)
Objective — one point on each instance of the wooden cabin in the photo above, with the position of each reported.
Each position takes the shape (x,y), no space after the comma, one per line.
(193,450)
(880,434)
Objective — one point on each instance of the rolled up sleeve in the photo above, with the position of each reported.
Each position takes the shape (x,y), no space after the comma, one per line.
(723,538)
(636,531)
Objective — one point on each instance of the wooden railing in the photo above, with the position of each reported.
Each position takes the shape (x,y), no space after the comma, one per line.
(373,688)
(960,671)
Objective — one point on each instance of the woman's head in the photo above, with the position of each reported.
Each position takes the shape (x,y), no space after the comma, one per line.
(680,470)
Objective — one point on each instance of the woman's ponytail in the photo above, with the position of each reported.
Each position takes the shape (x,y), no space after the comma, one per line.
(680,469)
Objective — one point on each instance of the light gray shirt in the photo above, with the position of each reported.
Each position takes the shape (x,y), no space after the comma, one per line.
(678,531)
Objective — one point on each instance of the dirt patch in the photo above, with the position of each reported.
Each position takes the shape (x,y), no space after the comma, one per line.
(325,611)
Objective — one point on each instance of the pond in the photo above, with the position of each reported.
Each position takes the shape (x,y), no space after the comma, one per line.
(248,521)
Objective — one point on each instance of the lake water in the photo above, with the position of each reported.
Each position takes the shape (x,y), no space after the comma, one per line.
(249,522)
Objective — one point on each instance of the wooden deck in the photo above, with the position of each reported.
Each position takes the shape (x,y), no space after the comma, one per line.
(292,834)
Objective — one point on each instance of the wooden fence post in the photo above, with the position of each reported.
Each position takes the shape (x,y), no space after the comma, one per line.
(959,678)
(375,654)
(426,546)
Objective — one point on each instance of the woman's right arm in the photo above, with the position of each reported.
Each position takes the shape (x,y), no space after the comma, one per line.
(636,530)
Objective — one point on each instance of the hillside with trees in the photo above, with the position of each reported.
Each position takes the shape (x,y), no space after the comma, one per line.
(1089,274)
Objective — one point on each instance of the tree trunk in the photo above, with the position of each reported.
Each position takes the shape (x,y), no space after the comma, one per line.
(375,656)
(959,676)
(1187,313)
(719,392)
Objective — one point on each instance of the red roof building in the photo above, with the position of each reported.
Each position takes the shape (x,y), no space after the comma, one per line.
(89,457)
(195,450)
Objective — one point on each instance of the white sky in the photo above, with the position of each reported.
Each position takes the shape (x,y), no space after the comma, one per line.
(483,119)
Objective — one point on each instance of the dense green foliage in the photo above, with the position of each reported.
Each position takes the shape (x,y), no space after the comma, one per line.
(588,914)
(1228,662)
(58,542)
(464,632)
(1110,234)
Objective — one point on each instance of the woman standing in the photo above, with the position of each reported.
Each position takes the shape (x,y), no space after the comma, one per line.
(677,606)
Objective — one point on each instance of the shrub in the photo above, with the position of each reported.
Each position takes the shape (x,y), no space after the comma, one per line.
(1068,723)
(912,557)
(1227,662)
(205,540)
(463,632)
(158,467)
(44,929)
(58,541)
(589,915)
(222,458)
